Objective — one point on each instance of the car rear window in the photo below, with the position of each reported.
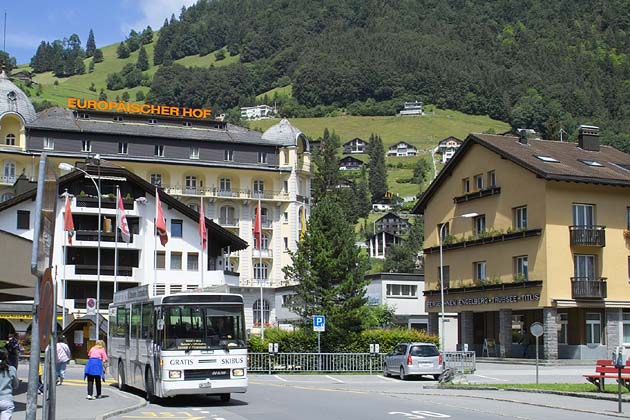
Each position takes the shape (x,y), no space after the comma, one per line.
(424,351)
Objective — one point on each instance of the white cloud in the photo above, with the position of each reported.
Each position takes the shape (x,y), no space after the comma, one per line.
(153,12)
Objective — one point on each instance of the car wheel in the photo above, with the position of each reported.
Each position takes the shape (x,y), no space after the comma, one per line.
(386,371)
(436,377)
(121,377)
(402,374)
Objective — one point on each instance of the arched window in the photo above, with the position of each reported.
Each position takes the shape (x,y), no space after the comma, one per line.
(10,139)
(227,216)
(265,312)
(225,184)
(9,170)
(260,271)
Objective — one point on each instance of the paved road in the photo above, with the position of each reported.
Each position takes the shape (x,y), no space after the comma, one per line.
(317,397)
(493,373)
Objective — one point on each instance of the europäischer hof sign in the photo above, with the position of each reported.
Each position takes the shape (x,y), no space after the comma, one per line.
(485,300)
(135,108)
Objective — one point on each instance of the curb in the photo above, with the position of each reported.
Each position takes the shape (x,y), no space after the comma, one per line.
(594,396)
(141,403)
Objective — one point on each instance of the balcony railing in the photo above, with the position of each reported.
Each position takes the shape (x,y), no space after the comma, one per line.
(8,179)
(588,288)
(92,235)
(106,202)
(587,235)
(106,270)
(228,221)
(225,192)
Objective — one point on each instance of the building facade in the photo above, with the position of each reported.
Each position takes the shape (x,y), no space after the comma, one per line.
(392,223)
(402,149)
(350,163)
(231,169)
(447,148)
(534,231)
(414,108)
(355,146)
(258,112)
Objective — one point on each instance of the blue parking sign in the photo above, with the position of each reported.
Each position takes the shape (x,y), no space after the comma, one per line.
(319,323)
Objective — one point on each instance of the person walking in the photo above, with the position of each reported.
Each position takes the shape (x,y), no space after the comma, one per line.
(525,343)
(13,350)
(63,357)
(94,371)
(8,384)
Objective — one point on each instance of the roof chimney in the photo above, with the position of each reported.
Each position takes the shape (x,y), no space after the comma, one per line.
(524,134)
(588,138)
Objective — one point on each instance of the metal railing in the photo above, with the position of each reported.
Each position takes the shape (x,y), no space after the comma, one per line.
(462,361)
(588,288)
(587,235)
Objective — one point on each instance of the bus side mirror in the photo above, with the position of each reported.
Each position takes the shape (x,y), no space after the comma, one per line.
(160,324)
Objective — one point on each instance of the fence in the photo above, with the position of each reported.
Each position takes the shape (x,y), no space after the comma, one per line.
(342,362)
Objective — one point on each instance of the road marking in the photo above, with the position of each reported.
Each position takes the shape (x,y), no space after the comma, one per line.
(278,377)
(335,379)
(386,378)
(490,377)
(310,388)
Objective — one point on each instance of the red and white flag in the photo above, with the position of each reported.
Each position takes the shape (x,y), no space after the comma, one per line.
(258,228)
(68,223)
(203,233)
(160,222)
(121,219)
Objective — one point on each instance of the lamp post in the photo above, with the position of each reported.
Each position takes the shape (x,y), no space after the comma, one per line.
(68,167)
(441,238)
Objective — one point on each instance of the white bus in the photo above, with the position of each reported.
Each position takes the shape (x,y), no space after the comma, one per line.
(178,344)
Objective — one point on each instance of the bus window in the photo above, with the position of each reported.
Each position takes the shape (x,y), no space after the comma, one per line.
(135,321)
(122,326)
(113,322)
(147,320)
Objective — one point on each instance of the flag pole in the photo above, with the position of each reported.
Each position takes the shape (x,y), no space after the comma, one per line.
(260,272)
(63,269)
(155,241)
(202,219)
(116,242)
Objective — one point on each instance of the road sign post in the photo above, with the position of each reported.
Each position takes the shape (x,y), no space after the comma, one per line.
(537,330)
(319,325)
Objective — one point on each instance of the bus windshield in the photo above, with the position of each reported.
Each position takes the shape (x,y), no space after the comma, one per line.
(189,327)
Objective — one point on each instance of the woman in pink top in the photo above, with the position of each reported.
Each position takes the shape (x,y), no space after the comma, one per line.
(94,368)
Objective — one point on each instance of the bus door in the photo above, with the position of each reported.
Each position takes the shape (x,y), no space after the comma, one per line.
(145,343)
(158,330)
(137,368)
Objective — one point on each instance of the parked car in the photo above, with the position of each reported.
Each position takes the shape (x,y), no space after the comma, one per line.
(414,359)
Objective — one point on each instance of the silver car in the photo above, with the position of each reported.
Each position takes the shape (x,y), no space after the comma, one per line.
(414,359)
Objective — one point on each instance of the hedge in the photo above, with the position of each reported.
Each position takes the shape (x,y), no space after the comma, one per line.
(304,341)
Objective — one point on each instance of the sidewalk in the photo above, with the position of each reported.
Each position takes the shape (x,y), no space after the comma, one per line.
(71,401)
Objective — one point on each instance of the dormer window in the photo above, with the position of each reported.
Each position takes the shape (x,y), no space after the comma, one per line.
(152,121)
(228,155)
(194,152)
(187,124)
(10,139)
(86,146)
(547,159)
(84,116)
(118,118)
(262,157)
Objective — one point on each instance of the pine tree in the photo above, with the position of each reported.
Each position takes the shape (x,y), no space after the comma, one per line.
(326,176)
(102,96)
(147,36)
(91,66)
(143,60)
(377,169)
(90,45)
(133,41)
(98,56)
(363,196)
(329,272)
(125,96)
(122,51)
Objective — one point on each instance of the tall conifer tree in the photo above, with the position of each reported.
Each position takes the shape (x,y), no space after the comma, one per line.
(377,169)
(90,45)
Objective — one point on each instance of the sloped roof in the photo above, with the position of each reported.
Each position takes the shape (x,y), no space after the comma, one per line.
(570,165)
(215,231)
(450,138)
(283,133)
(394,146)
(12,99)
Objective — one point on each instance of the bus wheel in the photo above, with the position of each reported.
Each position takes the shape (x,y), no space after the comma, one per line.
(225,398)
(121,377)
(149,386)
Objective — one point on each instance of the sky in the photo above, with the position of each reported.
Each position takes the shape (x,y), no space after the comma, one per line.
(31,21)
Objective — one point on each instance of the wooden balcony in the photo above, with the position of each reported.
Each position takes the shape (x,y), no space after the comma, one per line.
(587,235)
(588,288)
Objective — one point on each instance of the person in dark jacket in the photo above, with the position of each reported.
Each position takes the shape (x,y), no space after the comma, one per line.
(13,350)
(94,369)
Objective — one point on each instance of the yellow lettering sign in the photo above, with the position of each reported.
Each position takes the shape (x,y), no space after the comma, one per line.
(135,108)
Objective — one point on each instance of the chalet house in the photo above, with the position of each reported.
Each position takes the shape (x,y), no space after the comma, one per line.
(413,108)
(350,164)
(447,147)
(355,146)
(402,149)
(392,223)
(380,243)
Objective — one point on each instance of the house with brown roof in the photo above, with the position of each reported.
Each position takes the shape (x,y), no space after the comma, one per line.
(519,231)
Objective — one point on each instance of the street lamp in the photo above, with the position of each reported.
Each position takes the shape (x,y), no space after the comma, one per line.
(441,238)
(68,167)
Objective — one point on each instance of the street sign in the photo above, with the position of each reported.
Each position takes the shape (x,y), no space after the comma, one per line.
(46,308)
(90,305)
(319,323)
(536,329)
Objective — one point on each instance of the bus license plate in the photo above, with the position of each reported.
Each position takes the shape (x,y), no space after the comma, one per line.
(205,385)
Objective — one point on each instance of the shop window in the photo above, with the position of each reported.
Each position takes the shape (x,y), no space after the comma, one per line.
(593,328)
(563,334)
